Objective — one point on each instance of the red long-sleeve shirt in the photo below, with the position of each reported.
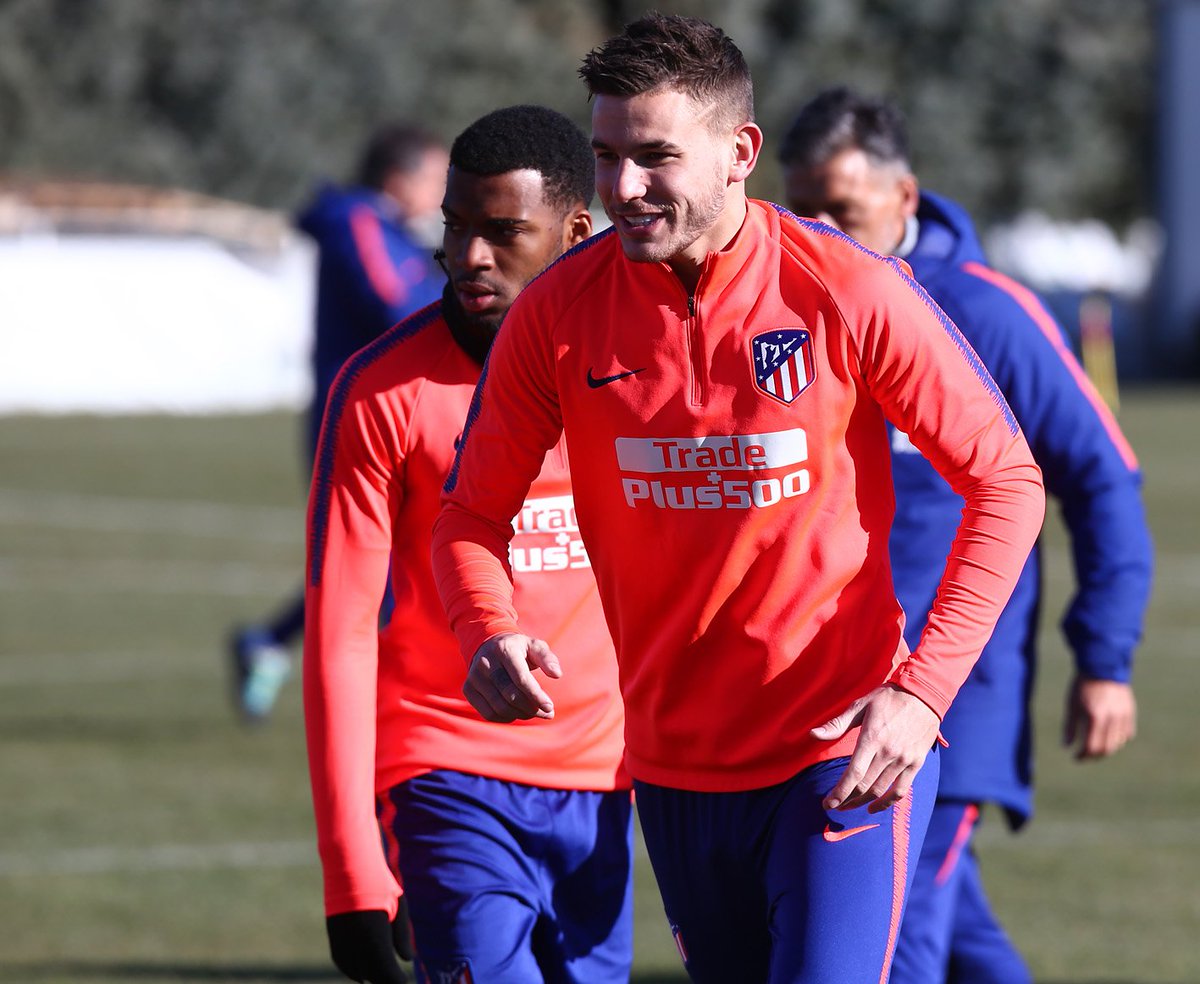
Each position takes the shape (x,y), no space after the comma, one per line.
(732,481)
(382,707)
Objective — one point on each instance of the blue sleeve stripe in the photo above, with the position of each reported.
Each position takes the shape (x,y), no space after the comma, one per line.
(578,248)
(472,416)
(1036,312)
(951,329)
(322,491)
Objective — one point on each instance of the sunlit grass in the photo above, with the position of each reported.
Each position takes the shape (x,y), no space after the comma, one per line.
(147,836)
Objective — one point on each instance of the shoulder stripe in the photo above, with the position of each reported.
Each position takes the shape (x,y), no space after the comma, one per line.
(384,278)
(472,416)
(354,367)
(577,248)
(951,329)
(1029,303)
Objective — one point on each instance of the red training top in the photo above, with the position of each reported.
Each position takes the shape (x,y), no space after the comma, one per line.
(384,706)
(731,472)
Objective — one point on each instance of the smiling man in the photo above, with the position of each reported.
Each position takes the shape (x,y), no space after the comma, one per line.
(511,844)
(731,480)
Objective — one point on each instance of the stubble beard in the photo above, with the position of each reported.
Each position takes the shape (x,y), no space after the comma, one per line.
(701,215)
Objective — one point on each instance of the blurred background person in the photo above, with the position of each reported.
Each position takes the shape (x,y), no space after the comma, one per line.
(846,162)
(374,238)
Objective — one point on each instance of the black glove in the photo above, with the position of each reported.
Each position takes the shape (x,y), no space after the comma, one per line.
(402,932)
(364,945)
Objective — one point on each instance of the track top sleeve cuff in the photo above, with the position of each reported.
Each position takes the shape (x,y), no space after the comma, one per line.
(389,902)
(905,677)
(1120,673)
(1103,662)
(477,633)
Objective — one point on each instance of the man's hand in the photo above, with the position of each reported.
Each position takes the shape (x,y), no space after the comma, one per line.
(1101,716)
(500,682)
(364,945)
(898,730)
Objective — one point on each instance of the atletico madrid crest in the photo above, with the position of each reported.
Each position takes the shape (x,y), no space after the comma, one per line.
(784,366)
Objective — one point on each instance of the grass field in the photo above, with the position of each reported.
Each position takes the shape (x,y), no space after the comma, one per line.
(146,836)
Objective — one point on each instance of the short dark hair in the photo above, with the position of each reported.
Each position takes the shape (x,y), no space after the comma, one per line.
(397,146)
(840,119)
(683,53)
(533,138)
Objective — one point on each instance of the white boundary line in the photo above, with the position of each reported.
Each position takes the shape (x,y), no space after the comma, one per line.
(117,514)
(88,575)
(88,669)
(108,859)
(1057,835)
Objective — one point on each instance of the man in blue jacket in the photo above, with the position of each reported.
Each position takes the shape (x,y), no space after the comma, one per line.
(375,267)
(375,241)
(845,161)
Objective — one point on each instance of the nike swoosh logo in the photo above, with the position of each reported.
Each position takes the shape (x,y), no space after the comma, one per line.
(833,836)
(595,383)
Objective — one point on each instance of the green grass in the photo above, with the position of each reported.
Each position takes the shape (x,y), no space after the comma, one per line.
(146,836)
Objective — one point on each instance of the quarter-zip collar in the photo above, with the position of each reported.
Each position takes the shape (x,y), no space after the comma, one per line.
(723,266)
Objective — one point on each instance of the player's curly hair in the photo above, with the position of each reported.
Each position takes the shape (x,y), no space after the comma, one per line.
(838,119)
(667,51)
(532,138)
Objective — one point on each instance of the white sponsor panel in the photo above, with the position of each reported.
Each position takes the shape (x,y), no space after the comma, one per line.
(711,472)
(550,514)
(546,537)
(736,452)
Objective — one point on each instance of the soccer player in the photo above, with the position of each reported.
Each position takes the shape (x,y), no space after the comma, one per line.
(845,161)
(722,373)
(373,270)
(511,844)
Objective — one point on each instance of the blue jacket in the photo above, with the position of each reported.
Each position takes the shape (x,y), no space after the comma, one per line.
(370,275)
(1087,466)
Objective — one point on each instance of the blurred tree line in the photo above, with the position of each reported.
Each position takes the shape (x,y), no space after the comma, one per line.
(1012,104)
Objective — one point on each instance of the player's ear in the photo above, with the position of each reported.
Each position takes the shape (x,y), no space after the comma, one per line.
(577,226)
(910,195)
(747,142)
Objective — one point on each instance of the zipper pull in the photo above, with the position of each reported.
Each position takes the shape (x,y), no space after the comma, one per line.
(691,305)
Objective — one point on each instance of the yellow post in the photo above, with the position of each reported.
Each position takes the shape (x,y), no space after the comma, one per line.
(1096,343)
